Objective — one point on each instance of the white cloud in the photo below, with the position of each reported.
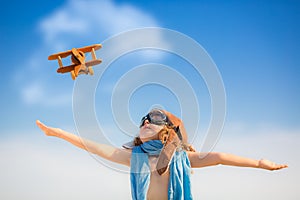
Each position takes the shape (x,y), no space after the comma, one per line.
(34,166)
(36,93)
(32,93)
(61,23)
(82,19)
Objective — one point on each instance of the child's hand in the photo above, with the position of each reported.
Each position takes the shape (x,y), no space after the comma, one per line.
(269,165)
(48,130)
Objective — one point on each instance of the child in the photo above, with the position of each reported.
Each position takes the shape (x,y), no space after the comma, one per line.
(159,157)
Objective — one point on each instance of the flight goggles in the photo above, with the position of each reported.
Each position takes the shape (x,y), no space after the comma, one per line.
(156,117)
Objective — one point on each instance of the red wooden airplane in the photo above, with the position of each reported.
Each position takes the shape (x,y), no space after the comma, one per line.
(79,65)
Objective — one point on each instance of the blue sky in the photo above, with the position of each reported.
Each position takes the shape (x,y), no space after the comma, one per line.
(254,44)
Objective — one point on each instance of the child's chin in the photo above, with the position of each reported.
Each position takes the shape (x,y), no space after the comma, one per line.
(147,138)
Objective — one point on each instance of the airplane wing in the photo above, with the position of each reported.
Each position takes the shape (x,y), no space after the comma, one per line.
(61,54)
(89,48)
(66,69)
(69,52)
(93,62)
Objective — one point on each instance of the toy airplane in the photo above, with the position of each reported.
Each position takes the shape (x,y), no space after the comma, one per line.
(79,65)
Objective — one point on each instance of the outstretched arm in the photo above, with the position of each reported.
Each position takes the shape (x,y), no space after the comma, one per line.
(209,159)
(111,153)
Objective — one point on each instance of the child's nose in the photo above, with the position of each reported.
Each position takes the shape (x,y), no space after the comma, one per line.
(146,122)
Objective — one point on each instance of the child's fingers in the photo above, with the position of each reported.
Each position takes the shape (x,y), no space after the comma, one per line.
(280,167)
(41,125)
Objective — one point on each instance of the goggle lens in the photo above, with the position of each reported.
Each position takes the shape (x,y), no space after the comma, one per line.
(156,117)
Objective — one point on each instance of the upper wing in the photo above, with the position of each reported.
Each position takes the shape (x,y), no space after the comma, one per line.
(89,48)
(69,52)
(61,54)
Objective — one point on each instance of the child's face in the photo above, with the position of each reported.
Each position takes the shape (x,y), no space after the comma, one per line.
(149,131)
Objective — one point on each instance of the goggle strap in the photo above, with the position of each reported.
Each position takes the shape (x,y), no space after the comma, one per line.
(178,133)
(176,129)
